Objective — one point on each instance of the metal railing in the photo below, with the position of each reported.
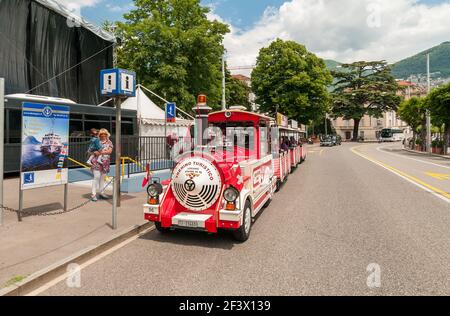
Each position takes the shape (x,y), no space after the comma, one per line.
(138,151)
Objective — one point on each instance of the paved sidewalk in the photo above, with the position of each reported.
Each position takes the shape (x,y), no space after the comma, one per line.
(39,241)
(425,153)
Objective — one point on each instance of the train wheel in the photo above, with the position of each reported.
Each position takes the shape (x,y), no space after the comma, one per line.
(161,229)
(267,203)
(278,186)
(243,232)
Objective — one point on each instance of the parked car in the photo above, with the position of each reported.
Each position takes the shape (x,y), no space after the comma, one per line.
(337,140)
(327,141)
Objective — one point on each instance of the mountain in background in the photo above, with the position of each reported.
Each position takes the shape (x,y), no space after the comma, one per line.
(331,64)
(30,140)
(417,64)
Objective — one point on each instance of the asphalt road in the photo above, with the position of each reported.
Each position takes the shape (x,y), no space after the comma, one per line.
(340,212)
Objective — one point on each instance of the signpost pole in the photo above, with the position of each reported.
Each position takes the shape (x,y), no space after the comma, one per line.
(2,131)
(118,149)
(19,214)
(114,212)
(119,84)
(165,133)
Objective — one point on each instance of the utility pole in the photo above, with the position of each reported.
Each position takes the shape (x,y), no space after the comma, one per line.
(428,111)
(224,102)
(326,125)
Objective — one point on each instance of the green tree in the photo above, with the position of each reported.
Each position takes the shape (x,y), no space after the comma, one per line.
(364,88)
(438,101)
(291,80)
(413,112)
(174,49)
(237,92)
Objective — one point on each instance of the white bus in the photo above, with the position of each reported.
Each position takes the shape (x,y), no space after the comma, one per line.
(392,135)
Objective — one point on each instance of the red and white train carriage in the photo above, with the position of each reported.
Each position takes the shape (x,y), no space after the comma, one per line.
(287,154)
(224,183)
(297,152)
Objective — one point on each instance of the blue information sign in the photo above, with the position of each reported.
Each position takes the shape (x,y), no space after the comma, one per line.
(171,112)
(118,82)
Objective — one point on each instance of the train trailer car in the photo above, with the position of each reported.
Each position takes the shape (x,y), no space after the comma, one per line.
(292,138)
(281,165)
(224,183)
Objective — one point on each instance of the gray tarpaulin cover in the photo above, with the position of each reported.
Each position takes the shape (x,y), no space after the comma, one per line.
(37,43)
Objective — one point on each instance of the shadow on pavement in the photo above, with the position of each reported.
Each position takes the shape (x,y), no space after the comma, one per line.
(124,197)
(41,209)
(221,240)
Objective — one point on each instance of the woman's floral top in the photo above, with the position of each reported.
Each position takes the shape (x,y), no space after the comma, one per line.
(103,167)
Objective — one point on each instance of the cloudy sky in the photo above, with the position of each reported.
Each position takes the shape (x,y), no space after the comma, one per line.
(343,30)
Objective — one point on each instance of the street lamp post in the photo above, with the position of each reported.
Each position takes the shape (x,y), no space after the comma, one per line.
(224,102)
(428,111)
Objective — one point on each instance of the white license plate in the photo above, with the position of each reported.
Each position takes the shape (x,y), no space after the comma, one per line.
(185,223)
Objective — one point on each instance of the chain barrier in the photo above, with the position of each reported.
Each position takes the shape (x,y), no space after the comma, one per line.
(52,213)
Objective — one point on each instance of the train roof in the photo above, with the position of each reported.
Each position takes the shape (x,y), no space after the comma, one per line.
(237,115)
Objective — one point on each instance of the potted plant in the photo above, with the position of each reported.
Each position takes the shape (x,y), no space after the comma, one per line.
(419,145)
(437,146)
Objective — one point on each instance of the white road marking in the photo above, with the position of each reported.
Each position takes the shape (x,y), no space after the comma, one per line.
(415,159)
(63,277)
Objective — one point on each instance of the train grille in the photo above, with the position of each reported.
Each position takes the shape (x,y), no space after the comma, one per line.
(201,201)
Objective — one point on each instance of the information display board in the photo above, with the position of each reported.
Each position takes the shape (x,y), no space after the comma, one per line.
(45,145)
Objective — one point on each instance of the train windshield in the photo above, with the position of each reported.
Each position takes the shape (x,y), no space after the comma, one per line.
(228,135)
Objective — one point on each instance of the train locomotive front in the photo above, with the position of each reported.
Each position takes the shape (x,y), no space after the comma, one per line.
(212,189)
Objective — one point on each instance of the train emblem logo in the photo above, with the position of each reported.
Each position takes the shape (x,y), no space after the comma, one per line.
(189,185)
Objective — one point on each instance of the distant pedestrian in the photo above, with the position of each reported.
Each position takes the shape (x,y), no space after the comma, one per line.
(100,170)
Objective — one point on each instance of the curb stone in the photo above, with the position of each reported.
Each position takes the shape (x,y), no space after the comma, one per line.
(426,154)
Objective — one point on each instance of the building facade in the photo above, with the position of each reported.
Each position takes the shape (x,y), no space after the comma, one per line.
(251,96)
(370,127)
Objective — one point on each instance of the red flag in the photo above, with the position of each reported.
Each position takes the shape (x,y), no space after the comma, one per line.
(147,176)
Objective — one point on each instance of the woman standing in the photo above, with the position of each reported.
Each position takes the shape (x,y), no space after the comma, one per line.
(101,169)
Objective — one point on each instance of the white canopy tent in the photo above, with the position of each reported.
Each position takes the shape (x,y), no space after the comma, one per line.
(151,117)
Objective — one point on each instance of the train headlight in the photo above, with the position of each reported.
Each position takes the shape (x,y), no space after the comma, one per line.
(154,189)
(231,194)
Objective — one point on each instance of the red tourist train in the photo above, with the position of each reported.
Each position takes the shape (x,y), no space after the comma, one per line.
(229,178)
